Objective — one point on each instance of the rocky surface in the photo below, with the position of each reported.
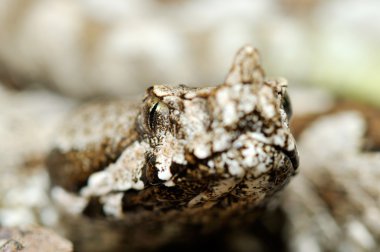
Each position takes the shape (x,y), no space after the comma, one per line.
(32,239)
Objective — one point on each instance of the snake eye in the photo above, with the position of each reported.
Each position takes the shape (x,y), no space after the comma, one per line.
(152,116)
(286,104)
(157,117)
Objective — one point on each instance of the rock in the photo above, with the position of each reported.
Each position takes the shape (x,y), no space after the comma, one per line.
(32,239)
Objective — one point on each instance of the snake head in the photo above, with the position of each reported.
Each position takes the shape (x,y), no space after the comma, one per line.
(234,133)
(181,148)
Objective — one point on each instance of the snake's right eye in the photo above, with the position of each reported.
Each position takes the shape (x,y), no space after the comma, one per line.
(287,106)
(158,116)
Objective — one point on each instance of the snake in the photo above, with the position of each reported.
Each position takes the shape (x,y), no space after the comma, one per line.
(180,156)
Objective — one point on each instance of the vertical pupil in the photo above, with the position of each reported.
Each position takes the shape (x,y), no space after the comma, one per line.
(152,115)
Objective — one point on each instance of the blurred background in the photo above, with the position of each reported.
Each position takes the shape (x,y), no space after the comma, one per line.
(97,47)
(56,54)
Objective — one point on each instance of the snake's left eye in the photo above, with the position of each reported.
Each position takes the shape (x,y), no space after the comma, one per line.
(158,116)
(286,104)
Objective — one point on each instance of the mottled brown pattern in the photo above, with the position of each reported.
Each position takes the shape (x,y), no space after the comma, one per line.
(187,158)
(71,168)
(75,167)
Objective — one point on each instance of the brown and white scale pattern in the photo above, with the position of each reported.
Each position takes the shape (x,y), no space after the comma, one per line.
(210,151)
